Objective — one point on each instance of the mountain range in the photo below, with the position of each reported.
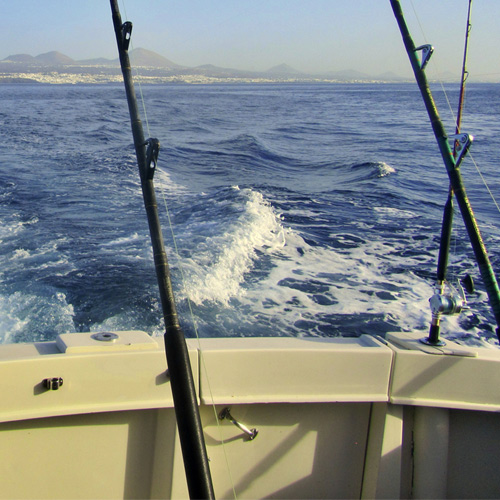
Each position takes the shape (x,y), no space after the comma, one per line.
(155,64)
(140,57)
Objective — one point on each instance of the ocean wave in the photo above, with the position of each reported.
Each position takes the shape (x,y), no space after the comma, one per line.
(242,153)
(31,317)
(391,213)
(217,273)
(261,270)
(371,170)
(12,226)
(122,241)
(322,237)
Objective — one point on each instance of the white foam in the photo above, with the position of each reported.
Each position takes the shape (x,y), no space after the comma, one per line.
(125,321)
(219,279)
(393,213)
(385,169)
(14,227)
(123,241)
(10,321)
(293,281)
(349,281)
(31,314)
(166,185)
(44,257)
(20,253)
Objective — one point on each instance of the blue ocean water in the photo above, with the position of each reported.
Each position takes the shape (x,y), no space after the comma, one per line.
(297,209)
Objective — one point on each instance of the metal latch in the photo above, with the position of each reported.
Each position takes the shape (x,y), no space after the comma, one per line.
(226,414)
(52,384)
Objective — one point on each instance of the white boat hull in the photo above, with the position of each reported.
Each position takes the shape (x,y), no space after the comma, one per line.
(336,418)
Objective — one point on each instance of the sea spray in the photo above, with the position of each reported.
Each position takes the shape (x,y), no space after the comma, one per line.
(258,229)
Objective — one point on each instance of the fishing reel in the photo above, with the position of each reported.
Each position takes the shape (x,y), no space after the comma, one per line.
(449,303)
(453,301)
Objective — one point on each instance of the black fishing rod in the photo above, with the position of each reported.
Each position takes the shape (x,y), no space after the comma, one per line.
(194,452)
(447,224)
(465,73)
(451,163)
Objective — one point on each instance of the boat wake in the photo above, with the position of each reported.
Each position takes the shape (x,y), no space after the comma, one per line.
(246,266)
(217,267)
(302,224)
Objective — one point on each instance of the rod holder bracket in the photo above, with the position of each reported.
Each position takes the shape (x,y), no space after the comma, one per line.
(152,151)
(126,35)
(427,51)
(226,414)
(460,146)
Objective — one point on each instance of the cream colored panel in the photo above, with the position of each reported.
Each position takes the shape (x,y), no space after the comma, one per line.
(474,455)
(106,342)
(301,450)
(384,455)
(263,370)
(446,381)
(111,380)
(106,455)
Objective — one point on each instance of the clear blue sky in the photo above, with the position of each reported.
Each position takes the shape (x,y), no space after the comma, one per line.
(310,35)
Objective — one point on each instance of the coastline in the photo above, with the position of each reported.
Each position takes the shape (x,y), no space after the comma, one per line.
(63,78)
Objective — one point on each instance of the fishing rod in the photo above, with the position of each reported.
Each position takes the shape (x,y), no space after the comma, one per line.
(452,164)
(194,452)
(447,224)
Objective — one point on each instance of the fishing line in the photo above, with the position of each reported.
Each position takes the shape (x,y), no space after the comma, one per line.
(202,361)
(195,326)
(439,78)
(137,77)
(484,182)
(456,118)
(418,20)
